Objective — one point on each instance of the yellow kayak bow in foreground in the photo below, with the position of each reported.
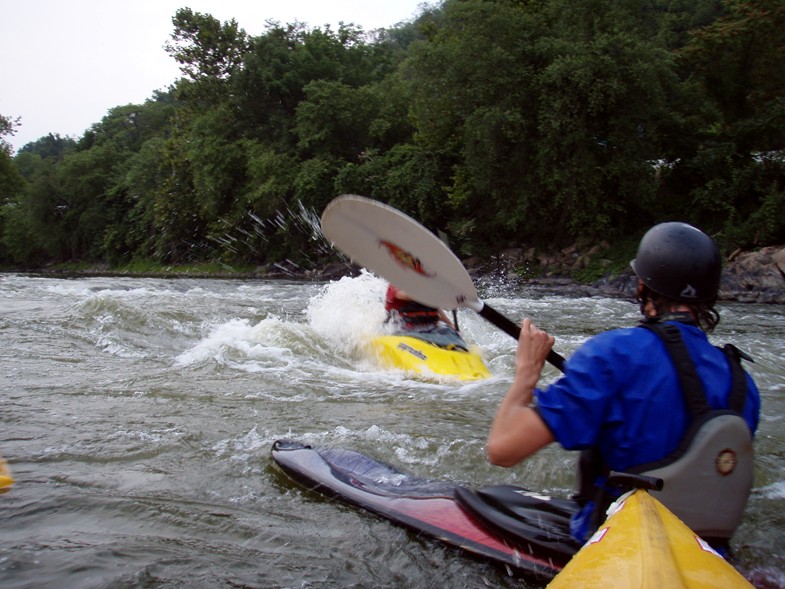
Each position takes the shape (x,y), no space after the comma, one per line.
(643,545)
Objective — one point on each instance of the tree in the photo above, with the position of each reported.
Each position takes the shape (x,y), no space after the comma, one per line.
(209,53)
(29,218)
(7,129)
(11,181)
(139,185)
(734,171)
(603,105)
(335,119)
(477,57)
(545,115)
(129,126)
(285,60)
(205,48)
(49,146)
(543,122)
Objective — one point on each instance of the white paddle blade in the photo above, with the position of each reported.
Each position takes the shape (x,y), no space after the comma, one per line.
(400,250)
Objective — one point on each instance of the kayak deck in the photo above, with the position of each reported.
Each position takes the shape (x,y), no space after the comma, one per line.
(422,505)
(642,544)
(6,479)
(413,353)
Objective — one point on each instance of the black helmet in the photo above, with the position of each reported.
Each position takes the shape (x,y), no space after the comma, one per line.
(680,262)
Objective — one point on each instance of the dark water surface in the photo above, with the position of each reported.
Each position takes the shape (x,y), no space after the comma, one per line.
(138,415)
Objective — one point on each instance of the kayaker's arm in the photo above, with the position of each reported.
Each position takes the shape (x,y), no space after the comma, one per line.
(517,430)
(507,447)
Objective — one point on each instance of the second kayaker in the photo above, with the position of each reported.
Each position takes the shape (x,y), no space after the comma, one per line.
(410,314)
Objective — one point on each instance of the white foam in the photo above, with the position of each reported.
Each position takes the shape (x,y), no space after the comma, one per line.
(237,337)
(349,313)
(773,491)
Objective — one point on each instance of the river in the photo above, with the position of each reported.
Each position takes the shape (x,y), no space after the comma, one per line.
(138,416)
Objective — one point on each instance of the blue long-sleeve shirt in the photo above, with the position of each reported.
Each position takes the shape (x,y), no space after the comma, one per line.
(620,392)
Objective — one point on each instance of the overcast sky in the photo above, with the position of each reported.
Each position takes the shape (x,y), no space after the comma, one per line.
(65,63)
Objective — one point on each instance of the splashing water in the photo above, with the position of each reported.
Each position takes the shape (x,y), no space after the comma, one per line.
(138,415)
(349,313)
(250,233)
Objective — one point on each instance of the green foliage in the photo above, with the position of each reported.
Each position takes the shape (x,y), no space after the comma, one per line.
(12,185)
(335,119)
(281,64)
(271,176)
(313,185)
(543,110)
(11,180)
(209,53)
(600,130)
(50,146)
(731,179)
(503,122)
(27,216)
(217,162)
(204,47)
(7,128)
(138,186)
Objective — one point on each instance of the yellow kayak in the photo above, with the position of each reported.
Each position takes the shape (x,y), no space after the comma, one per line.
(6,480)
(413,354)
(643,545)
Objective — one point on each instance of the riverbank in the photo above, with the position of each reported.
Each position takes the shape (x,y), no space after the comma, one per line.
(747,277)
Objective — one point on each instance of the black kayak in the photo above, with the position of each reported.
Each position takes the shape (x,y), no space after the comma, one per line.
(525,532)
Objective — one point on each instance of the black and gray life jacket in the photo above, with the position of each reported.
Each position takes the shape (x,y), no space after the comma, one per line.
(708,478)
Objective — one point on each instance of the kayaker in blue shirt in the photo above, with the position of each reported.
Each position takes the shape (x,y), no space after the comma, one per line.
(620,399)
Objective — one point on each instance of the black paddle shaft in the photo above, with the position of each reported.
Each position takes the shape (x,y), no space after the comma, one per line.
(510,328)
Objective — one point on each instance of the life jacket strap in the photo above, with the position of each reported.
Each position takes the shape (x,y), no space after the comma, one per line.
(704,426)
(415,313)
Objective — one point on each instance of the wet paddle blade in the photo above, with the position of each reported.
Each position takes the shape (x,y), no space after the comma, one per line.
(400,250)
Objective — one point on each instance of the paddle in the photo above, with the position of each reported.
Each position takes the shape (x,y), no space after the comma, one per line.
(402,251)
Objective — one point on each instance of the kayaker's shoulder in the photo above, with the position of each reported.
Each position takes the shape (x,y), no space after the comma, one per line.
(621,337)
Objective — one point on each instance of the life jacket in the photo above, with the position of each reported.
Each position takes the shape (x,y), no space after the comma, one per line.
(413,313)
(708,478)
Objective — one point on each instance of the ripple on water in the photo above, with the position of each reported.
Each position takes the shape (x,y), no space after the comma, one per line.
(138,418)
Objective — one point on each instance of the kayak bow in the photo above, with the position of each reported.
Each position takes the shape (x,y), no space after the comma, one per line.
(6,480)
(414,354)
(424,506)
(642,544)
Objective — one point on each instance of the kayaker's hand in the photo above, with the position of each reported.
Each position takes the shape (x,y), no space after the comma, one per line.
(517,430)
(533,347)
